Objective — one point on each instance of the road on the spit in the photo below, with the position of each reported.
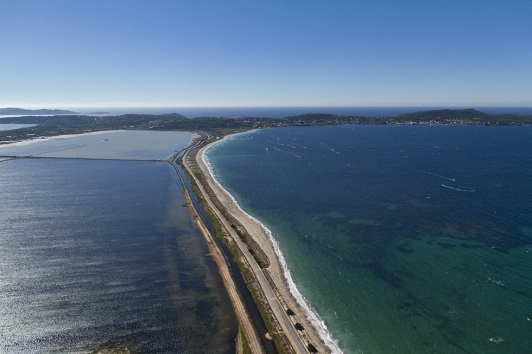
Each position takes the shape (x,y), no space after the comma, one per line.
(276,307)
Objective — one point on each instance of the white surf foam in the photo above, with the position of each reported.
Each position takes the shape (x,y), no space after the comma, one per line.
(312,316)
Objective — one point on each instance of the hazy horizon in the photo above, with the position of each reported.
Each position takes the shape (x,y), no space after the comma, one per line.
(281,111)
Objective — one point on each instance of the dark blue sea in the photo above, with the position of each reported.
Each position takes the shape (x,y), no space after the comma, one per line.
(105,254)
(403,239)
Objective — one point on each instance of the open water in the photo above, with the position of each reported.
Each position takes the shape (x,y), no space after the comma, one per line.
(403,239)
(104,253)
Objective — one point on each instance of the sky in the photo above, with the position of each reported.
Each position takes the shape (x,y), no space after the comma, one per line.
(63,53)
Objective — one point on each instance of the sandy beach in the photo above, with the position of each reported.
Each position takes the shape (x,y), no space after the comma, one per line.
(314,331)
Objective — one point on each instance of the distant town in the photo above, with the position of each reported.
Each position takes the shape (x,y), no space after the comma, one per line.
(60,124)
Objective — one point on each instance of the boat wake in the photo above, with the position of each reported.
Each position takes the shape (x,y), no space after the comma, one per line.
(286,152)
(459,188)
(330,148)
(433,174)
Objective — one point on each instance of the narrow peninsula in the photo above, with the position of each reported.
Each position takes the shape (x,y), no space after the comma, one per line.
(288,321)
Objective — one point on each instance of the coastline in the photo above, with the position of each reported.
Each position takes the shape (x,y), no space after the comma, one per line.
(315,330)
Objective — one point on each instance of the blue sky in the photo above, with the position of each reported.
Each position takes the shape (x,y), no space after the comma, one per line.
(265,53)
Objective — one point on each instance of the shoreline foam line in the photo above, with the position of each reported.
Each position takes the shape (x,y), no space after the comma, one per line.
(312,316)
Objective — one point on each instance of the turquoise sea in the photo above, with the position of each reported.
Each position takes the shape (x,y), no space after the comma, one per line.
(403,239)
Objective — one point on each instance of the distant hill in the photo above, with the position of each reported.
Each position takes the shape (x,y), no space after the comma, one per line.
(445,114)
(32,112)
(58,124)
(463,116)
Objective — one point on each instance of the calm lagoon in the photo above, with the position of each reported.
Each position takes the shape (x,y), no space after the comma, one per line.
(105,254)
